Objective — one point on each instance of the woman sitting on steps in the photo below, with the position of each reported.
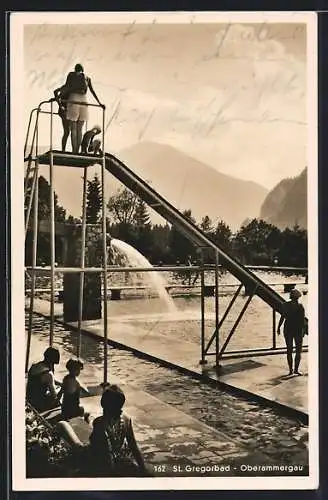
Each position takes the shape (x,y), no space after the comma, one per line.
(112,449)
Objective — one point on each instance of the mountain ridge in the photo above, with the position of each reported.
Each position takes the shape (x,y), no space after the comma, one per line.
(190,184)
(183,180)
(286,204)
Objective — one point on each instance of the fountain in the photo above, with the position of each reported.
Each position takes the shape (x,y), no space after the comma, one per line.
(154,279)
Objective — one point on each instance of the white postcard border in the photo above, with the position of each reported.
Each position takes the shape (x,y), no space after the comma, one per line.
(20,483)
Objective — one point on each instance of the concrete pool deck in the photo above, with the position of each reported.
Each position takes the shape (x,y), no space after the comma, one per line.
(173,443)
(261,378)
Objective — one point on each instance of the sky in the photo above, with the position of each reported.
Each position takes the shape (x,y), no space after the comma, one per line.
(229,94)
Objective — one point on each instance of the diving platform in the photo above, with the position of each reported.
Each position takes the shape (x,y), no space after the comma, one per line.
(67,159)
(132,181)
(166,210)
(248,281)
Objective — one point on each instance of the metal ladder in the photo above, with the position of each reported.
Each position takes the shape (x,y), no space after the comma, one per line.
(31,197)
(31,174)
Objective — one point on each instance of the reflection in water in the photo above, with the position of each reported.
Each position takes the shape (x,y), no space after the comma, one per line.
(68,339)
(146,316)
(277,435)
(150,316)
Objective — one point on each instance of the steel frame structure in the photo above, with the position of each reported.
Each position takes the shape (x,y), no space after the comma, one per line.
(53,157)
(220,351)
(32,158)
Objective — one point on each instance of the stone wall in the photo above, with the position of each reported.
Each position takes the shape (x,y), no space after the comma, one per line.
(92,282)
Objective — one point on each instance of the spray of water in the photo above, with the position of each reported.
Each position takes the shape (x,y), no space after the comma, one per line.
(154,279)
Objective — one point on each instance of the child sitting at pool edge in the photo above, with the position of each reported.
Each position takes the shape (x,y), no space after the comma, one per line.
(113,446)
(71,391)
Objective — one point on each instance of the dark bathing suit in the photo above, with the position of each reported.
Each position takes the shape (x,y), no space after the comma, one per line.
(37,390)
(294,315)
(109,448)
(71,401)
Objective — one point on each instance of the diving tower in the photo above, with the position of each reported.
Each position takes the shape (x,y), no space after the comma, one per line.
(116,167)
(32,159)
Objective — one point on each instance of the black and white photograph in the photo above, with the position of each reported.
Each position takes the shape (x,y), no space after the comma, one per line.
(164,250)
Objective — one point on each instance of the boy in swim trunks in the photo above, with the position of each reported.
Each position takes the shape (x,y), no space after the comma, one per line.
(293,318)
(89,144)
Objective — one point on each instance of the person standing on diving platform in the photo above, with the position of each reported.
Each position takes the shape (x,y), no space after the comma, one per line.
(77,84)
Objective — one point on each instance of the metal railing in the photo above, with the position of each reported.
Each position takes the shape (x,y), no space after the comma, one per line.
(130,179)
(216,337)
(31,155)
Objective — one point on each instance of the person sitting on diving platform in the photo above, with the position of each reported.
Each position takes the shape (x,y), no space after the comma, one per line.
(89,144)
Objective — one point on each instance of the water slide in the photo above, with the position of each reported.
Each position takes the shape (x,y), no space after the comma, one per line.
(137,185)
(132,181)
(126,176)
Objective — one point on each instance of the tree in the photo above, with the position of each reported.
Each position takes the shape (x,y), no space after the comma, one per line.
(122,206)
(160,251)
(141,216)
(257,242)
(187,213)
(180,246)
(294,247)
(94,201)
(222,235)
(143,231)
(206,225)
(73,220)
(44,212)
(44,201)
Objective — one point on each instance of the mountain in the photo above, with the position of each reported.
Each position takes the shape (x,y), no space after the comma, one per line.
(189,183)
(286,204)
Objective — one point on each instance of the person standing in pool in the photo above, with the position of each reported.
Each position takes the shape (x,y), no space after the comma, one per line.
(293,317)
(77,84)
(187,274)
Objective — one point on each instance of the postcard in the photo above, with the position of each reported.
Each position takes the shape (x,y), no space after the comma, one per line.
(164,250)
